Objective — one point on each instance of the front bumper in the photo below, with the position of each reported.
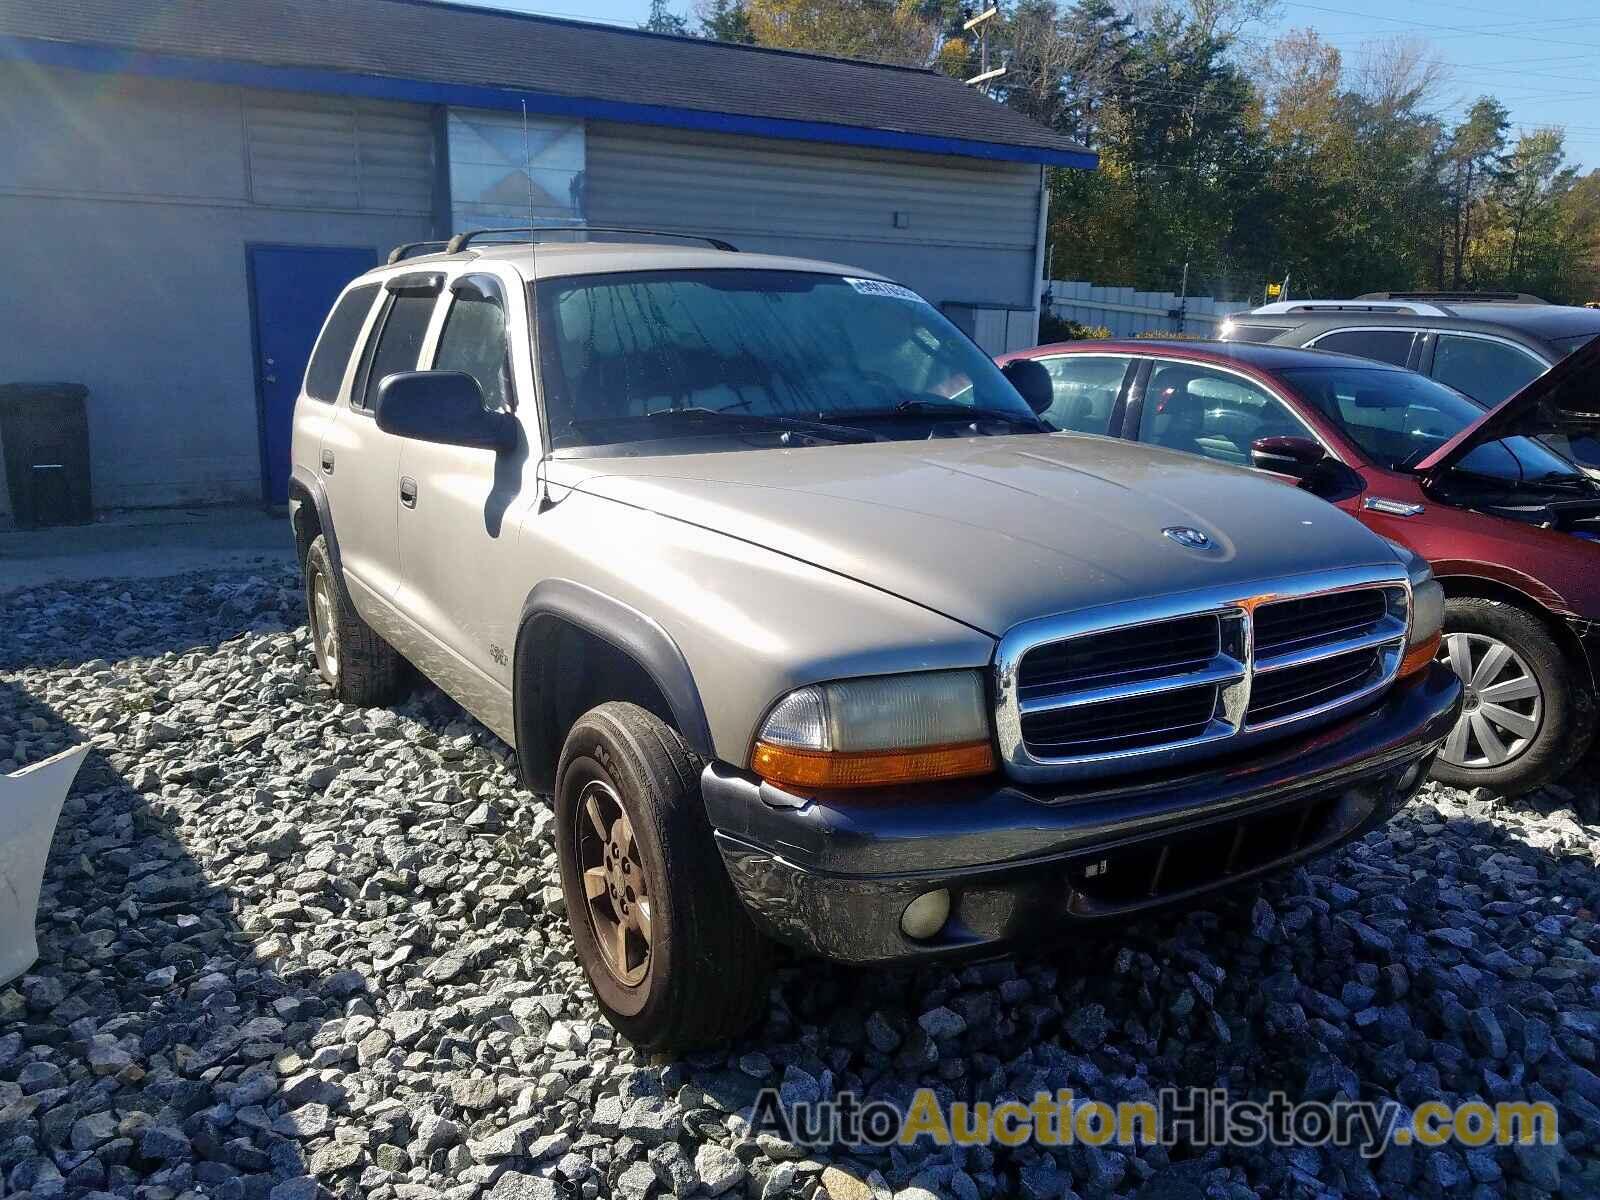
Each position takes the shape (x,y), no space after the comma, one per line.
(832,874)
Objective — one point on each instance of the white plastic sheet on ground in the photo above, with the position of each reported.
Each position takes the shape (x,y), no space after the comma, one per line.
(30,802)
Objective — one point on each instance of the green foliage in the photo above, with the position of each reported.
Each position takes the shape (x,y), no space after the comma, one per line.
(1059,329)
(1243,164)
(663,20)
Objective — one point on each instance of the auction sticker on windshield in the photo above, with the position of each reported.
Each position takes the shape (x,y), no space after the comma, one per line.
(879,287)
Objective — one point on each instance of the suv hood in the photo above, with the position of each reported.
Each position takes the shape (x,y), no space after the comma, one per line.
(993,531)
(1565,400)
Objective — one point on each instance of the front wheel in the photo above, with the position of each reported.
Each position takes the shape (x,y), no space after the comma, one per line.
(1528,713)
(668,949)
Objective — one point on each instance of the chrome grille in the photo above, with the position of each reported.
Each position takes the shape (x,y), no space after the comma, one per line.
(1117,690)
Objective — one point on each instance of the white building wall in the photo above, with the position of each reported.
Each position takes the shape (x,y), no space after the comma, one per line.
(129,204)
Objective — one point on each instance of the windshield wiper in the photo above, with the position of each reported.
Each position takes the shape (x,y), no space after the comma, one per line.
(929,408)
(770,421)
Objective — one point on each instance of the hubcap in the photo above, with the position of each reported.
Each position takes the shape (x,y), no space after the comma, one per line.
(322,625)
(1503,703)
(613,882)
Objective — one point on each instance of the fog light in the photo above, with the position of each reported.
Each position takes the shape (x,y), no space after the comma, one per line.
(1412,776)
(926,915)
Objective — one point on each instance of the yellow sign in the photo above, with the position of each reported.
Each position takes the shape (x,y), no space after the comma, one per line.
(1274,290)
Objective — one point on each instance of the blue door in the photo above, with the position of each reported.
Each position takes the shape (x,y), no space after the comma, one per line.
(292,289)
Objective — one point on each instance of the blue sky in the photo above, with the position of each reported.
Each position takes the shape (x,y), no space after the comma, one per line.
(1540,57)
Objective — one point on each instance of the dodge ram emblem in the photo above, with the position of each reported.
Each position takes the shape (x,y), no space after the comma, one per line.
(1192,539)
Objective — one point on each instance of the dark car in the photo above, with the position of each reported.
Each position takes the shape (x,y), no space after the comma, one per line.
(1487,344)
(1510,524)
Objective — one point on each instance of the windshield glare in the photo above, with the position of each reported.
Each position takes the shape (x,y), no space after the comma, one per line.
(754,355)
(1398,418)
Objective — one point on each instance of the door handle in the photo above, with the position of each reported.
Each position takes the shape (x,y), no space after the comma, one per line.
(327,462)
(408,492)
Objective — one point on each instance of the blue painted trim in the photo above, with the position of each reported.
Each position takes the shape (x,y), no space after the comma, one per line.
(82,56)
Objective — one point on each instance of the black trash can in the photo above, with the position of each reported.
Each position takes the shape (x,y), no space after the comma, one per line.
(44,429)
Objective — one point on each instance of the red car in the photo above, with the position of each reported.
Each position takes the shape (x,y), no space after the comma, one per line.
(1509,522)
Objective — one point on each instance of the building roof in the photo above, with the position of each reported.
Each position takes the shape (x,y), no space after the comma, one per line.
(453,54)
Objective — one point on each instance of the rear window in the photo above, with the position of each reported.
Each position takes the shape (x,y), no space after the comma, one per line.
(1232,331)
(328,361)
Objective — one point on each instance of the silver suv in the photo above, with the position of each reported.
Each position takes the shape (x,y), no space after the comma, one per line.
(815,632)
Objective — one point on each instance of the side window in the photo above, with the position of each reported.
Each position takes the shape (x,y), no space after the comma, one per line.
(1385,345)
(1487,371)
(474,341)
(399,341)
(1086,388)
(326,370)
(1201,411)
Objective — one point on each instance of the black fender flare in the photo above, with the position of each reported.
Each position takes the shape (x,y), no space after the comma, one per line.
(633,633)
(308,488)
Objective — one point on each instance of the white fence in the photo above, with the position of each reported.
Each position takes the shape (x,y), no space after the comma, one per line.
(1127,312)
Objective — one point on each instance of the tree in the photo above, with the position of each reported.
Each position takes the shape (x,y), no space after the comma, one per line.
(663,20)
(904,32)
(1528,193)
(726,21)
(1474,156)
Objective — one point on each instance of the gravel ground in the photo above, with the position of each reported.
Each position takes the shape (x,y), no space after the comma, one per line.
(292,948)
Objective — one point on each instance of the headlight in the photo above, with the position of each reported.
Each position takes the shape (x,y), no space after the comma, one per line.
(1427,611)
(875,731)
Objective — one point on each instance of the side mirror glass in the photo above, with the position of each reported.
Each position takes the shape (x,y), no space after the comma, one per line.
(1032,382)
(1295,456)
(444,407)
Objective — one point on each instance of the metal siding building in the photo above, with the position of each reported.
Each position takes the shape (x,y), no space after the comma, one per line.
(170,159)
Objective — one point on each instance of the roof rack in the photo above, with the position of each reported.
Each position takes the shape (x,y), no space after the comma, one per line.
(1459,297)
(407,249)
(462,240)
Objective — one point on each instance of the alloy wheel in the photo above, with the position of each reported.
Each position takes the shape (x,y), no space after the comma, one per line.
(1503,705)
(614,883)
(324,629)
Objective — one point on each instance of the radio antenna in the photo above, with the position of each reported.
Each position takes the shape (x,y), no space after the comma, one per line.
(527,164)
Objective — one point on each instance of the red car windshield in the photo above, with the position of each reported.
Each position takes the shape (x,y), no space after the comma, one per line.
(1398,418)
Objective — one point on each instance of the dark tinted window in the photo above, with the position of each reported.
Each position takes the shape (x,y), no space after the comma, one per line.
(1232,331)
(1201,411)
(474,341)
(326,371)
(1385,345)
(399,341)
(1485,370)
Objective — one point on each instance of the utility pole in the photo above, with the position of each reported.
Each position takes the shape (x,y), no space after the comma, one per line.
(981,24)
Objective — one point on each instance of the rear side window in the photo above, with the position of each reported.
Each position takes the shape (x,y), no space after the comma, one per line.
(1385,345)
(1487,371)
(1232,331)
(326,371)
(399,341)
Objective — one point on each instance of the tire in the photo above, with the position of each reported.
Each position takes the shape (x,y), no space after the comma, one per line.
(355,662)
(700,978)
(1529,715)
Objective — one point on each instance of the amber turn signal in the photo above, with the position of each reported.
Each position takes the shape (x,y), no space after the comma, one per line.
(1419,656)
(790,767)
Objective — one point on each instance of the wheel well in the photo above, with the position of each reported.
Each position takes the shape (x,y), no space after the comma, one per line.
(306,524)
(1465,586)
(562,671)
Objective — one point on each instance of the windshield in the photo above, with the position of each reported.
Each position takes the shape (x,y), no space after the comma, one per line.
(1398,419)
(731,359)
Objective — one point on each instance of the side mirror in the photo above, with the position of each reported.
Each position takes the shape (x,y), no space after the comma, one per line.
(1295,456)
(444,407)
(1032,382)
